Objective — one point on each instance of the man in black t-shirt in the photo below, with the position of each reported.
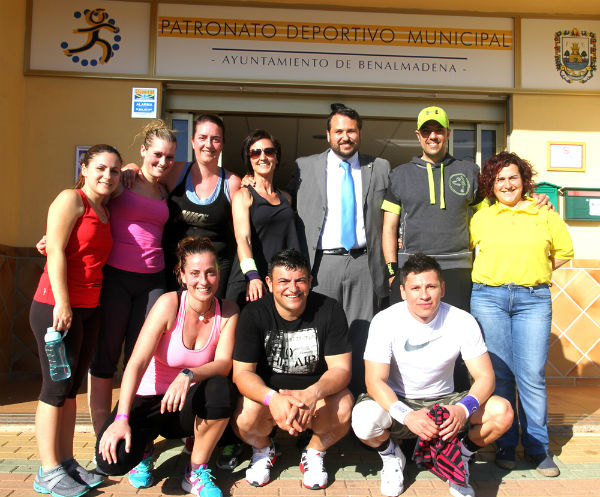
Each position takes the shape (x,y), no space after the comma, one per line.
(292,364)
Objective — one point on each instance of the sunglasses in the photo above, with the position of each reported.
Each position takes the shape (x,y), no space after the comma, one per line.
(254,153)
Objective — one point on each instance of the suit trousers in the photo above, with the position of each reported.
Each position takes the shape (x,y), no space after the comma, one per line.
(347,279)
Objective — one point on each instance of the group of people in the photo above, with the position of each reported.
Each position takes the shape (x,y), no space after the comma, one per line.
(152,266)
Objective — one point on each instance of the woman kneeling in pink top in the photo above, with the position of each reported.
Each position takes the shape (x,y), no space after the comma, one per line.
(175,383)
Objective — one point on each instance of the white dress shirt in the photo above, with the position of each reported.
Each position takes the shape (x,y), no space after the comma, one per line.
(331,233)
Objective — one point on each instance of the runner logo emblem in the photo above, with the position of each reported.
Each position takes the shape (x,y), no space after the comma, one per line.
(459,184)
(575,54)
(97,20)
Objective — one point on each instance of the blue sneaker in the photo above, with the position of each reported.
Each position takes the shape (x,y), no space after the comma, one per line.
(82,475)
(141,475)
(57,482)
(200,482)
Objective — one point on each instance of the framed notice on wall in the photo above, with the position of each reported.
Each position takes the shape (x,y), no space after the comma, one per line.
(80,151)
(566,156)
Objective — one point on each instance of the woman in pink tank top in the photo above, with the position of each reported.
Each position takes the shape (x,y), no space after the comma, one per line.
(67,298)
(175,383)
(134,275)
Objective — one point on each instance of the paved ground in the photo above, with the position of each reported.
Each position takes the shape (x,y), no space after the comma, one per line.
(353,470)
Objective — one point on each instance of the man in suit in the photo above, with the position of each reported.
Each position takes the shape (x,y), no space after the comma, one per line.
(342,236)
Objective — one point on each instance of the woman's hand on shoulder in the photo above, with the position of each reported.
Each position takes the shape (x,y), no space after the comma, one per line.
(541,199)
(255,289)
(129,173)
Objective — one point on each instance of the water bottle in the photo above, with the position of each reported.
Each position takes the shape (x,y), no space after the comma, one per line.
(57,355)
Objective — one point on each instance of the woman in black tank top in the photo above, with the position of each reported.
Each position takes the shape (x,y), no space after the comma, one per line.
(199,201)
(263,219)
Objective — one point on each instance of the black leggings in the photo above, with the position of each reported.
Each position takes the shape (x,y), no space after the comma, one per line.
(125,300)
(213,398)
(79,344)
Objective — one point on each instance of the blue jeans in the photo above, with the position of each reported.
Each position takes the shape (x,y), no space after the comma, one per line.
(515,321)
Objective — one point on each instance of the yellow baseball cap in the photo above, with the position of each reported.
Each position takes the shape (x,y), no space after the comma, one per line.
(433,114)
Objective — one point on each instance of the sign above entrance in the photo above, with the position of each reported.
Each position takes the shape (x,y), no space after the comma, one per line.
(254,44)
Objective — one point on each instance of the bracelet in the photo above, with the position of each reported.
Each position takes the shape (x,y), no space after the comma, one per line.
(121,416)
(268,397)
(252,275)
(248,265)
(470,404)
(392,268)
(399,410)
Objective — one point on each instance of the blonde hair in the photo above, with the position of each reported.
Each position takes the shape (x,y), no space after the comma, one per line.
(157,128)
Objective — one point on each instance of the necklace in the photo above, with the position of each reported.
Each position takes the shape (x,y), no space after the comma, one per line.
(206,315)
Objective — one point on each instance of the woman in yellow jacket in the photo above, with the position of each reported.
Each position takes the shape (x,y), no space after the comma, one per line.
(519,246)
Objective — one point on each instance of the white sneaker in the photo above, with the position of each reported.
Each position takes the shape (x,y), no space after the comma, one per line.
(392,473)
(259,471)
(311,464)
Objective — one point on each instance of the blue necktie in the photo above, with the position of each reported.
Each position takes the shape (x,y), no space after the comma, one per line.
(348,234)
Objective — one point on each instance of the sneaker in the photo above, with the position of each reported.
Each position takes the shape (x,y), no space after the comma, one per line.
(311,464)
(141,475)
(188,444)
(81,475)
(200,482)
(259,471)
(505,458)
(229,457)
(458,490)
(544,464)
(57,482)
(392,472)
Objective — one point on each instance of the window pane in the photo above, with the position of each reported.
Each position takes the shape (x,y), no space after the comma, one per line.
(464,144)
(488,144)
(181,132)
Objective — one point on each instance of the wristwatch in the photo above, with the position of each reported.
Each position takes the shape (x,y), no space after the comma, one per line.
(188,373)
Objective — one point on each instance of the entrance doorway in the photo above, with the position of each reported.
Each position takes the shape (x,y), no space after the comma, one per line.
(391,139)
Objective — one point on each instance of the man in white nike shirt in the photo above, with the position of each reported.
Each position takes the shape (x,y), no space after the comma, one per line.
(409,362)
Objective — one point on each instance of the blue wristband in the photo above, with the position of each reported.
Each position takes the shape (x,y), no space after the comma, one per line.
(252,275)
(470,403)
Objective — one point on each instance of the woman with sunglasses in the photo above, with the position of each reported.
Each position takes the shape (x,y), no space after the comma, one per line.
(263,219)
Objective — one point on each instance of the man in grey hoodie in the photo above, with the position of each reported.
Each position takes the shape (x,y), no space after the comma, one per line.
(430,198)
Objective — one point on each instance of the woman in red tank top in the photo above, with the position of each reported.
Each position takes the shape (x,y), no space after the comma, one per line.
(67,298)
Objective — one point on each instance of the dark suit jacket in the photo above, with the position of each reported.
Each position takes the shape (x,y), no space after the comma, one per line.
(311,195)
